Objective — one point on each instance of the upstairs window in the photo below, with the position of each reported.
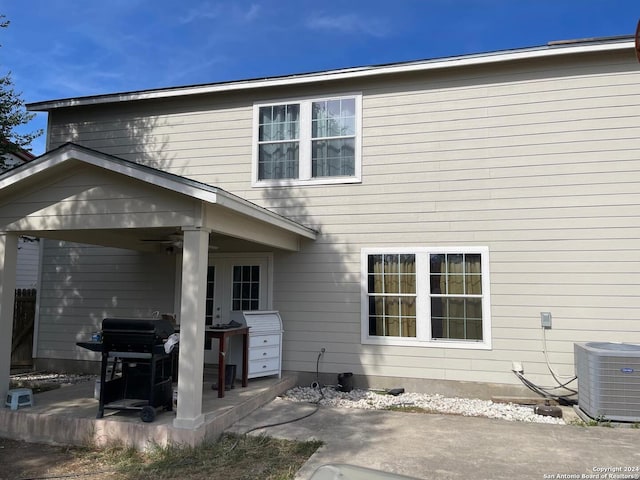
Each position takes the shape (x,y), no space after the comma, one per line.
(311,141)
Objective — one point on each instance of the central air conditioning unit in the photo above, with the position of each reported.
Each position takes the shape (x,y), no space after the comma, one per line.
(608,380)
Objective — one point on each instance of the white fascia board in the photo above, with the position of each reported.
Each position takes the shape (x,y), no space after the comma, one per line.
(342,74)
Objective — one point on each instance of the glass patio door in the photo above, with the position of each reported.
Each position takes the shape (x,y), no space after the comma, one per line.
(234,284)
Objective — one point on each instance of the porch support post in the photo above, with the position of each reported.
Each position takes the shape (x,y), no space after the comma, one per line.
(192,311)
(8,262)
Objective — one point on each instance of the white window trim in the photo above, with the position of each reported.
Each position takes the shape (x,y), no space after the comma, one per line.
(304,168)
(423,307)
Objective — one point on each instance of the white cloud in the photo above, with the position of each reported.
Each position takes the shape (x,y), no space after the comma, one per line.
(252,14)
(350,24)
(204,11)
(226,11)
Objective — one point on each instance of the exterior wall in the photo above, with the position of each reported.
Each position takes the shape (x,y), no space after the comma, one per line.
(28,262)
(83,284)
(536,160)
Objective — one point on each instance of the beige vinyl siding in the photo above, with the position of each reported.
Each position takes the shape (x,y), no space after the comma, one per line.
(59,203)
(209,145)
(83,284)
(28,262)
(545,173)
(536,160)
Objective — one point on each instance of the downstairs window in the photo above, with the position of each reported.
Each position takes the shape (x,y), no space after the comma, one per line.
(426,296)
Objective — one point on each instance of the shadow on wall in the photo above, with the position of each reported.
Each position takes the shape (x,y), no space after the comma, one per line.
(127,133)
(317,295)
(83,284)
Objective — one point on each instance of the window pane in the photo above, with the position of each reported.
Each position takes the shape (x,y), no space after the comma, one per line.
(474,308)
(277,155)
(455,270)
(335,157)
(330,155)
(278,160)
(455,277)
(474,284)
(246,287)
(474,330)
(375,325)
(392,295)
(279,122)
(456,318)
(455,284)
(437,267)
(473,270)
(333,118)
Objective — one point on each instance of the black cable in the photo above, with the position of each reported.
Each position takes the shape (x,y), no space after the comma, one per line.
(297,419)
(269,425)
(544,392)
(316,403)
(318,374)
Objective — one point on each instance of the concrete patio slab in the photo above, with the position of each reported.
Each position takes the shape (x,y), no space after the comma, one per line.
(67,415)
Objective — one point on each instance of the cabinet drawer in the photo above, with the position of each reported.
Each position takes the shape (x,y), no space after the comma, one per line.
(256,341)
(264,352)
(264,366)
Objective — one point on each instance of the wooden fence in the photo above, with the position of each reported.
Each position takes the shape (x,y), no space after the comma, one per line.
(24,314)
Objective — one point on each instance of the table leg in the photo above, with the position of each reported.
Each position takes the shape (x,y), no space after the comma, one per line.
(221,366)
(245,359)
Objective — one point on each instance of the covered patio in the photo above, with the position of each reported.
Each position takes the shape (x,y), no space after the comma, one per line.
(67,416)
(76,194)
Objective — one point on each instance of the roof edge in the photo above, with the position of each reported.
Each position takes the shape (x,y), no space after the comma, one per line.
(550,50)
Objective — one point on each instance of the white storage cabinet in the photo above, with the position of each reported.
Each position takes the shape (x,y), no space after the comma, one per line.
(265,343)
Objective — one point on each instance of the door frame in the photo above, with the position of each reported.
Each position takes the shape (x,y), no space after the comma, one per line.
(266,280)
(239,255)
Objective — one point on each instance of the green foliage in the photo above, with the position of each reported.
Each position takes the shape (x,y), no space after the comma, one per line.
(13,114)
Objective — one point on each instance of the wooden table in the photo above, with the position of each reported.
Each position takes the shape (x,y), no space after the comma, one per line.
(222,334)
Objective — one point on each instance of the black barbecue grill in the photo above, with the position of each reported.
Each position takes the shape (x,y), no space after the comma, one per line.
(136,345)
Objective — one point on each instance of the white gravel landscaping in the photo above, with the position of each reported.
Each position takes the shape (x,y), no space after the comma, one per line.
(51,378)
(372,400)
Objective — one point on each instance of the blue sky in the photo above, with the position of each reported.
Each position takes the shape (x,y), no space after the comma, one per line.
(70,48)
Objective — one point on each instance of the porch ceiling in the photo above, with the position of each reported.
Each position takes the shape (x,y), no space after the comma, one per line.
(77,194)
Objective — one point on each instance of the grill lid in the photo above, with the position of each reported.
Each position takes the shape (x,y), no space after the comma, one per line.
(159,327)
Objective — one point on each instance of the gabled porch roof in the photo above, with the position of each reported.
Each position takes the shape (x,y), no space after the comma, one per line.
(78,194)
